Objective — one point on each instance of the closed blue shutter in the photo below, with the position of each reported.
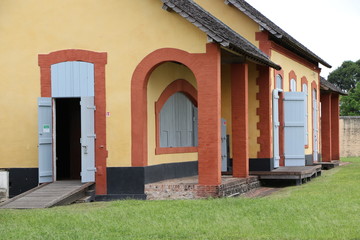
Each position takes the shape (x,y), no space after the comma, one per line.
(195,126)
(183,120)
(294,128)
(177,122)
(167,123)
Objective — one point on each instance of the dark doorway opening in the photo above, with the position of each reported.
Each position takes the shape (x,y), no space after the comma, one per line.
(68,133)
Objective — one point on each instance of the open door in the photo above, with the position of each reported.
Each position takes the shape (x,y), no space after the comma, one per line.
(276,126)
(294,110)
(87,140)
(45,139)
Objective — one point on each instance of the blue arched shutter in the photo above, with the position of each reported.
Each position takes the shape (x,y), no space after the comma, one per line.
(177,128)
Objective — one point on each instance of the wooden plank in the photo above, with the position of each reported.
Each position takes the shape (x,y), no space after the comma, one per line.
(23,194)
(57,193)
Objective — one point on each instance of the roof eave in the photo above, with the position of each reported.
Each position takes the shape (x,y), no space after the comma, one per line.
(259,56)
(275,33)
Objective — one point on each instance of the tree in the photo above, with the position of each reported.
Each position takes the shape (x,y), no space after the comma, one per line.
(350,105)
(346,76)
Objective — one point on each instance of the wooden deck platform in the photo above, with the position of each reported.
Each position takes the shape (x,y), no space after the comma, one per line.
(50,194)
(328,165)
(299,174)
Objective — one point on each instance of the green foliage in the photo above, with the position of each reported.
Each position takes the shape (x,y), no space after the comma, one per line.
(326,208)
(346,76)
(350,105)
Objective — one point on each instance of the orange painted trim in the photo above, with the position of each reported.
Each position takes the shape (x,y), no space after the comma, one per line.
(266,46)
(264,97)
(292,75)
(264,42)
(170,150)
(326,136)
(335,127)
(281,73)
(99,59)
(263,111)
(186,88)
(240,122)
(304,81)
(293,56)
(206,69)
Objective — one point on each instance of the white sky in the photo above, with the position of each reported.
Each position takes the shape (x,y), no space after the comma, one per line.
(329,28)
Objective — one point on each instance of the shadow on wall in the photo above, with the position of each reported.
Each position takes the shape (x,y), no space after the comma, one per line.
(350,136)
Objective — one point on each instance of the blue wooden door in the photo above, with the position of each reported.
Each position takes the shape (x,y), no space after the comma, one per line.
(276,126)
(87,139)
(45,131)
(294,127)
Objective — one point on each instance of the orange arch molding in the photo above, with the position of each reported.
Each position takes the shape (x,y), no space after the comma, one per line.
(206,69)
(99,59)
(186,88)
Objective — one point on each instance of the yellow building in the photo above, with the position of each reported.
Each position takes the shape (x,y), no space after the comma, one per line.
(124,93)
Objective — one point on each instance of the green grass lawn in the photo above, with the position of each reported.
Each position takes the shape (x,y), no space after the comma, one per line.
(326,208)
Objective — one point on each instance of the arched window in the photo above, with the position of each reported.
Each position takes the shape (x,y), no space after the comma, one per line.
(178,122)
(292,85)
(278,82)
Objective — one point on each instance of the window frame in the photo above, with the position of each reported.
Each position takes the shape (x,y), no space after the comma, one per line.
(190,92)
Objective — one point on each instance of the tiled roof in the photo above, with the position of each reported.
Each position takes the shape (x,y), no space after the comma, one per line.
(328,86)
(279,35)
(217,30)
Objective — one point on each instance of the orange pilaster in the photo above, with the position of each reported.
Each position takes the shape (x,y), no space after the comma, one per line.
(264,112)
(209,102)
(239,108)
(325,99)
(335,145)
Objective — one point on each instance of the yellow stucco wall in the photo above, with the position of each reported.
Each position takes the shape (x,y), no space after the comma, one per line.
(254,132)
(253,118)
(300,70)
(160,78)
(126,30)
(226,99)
(232,17)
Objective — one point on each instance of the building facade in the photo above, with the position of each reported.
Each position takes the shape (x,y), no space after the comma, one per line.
(124,93)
